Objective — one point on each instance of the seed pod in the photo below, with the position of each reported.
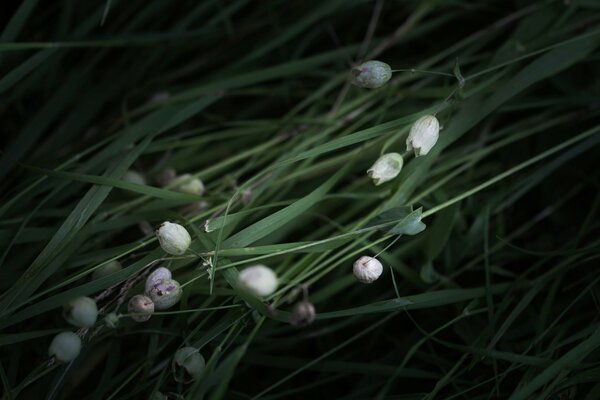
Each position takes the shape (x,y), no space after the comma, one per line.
(371,74)
(81,312)
(165,293)
(386,168)
(188,364)
(65,346)
(367,269)
(157,276)
(303,314)
(186,183)
(111,320)
(107,269)
(132,176)
(423,135)
(259,280)
(141,305)
(173,238)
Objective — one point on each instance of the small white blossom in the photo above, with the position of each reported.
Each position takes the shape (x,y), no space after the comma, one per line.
(259,280)
(81,312)
(423,135)
(65,346)
(386,168)
(367,269)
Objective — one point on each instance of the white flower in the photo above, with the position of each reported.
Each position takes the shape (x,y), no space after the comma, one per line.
(173,238)
(140,304)
(367,269)
(81,312)
(371,74)
(386,168)
(186,183)
(259,280)
(190,359)
(107,269)
(65,346)
(423,135)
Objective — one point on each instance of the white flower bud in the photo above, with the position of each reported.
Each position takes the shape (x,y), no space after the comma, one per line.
(367,269)
(191,361)
(156,276)
(165,293)
(81,312)
(173,238)
(111,320)
(132,176)
(186,183)
(259,280)
(303,314)
(107,269)
(141,305)
(371,74)
(423,135)
(65,346)
(386,168)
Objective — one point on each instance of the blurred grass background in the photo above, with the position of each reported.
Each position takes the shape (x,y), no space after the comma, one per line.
(497,298)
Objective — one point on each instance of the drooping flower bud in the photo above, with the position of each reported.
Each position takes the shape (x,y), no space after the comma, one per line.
(371,74)
(259,280)
(188,363)
(173,238)
(303,314)
(423,135)
(132,176)
(367,269)
(186,183)
(165,293)
(386,168)
(81,312)
(156,276)
(107,269)
(141,305)
(65,346)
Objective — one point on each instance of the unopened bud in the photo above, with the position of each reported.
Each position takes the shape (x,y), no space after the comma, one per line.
(303,314)
(81,312)
(186,183)
(142,306)
(188,361)
(371,74)
(173,238)
(65,346)
(165,293)
(259,280)
(367,269)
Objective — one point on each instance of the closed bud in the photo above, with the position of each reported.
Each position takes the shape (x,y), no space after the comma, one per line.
(111,320)
(165,293)
(186,183)
(423,135)
(81,312)
(132,176)
(303,314)
(188,364)
(65,346)
(142,306)
(371,74)
(367,269)
(259,280)
(156,276)
(173,238)
(107,269)
(386,168)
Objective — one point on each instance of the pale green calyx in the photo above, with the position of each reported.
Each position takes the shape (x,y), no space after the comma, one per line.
(81,312)
(65,346)
(386,168)
(423,135)
(259,280)
(188,361)
(186,183)
(367,269)
(173,238)
(107,269)
(165,293)
(371,74)
(141,306)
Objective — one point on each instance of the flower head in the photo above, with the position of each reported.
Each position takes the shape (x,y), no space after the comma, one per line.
(259,280)
(386,168)
(423,135)
(367,269)
(173,238)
